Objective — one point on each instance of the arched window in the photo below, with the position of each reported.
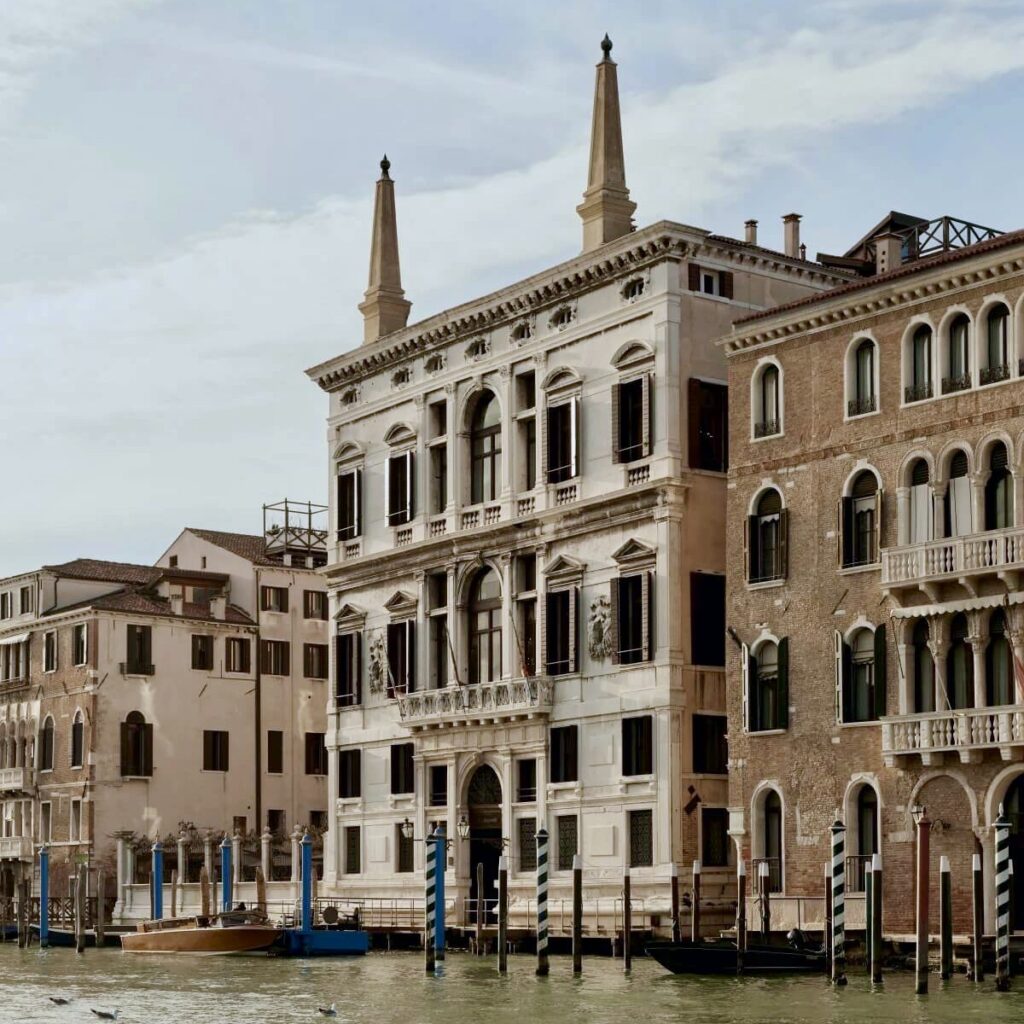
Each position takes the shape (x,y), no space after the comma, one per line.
(958,514)
(998,664)
(998,490)
(767,536)
(867,836)
(136,746)
(924,670)
(485,450)
(46,746)
(959,666)
(78,741)
(919,385)
(772,825)
(997,346)
(484,613)
(861,521)
(863,398)
(767,402)
(958,353)
(767,687)
(921,504)
(859,700)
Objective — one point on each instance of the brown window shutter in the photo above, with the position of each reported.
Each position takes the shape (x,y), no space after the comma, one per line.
(616,419)
(725,284)
(693,396)
(574,600)
(147,749)
(613,624)
(647,617)
(542,633)
(784,543)
(646,413)
(694,270)
(542,423)
(878,527)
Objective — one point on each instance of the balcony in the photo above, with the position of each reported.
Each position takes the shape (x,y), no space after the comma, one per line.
(16,848)
(954,559)
(16,780)
(968,733)
(461,705)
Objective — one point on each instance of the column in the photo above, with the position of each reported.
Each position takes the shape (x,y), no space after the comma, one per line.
(902,516)
(208,856)
(978,642)
(419,818)
(422,667)
(906,683)
(939,649)
(509,655)
(939,525)
(296,864)
(236,859)
(978,481)
(508,438)
(454,629)
(454,469)
(182,859)
(265,840)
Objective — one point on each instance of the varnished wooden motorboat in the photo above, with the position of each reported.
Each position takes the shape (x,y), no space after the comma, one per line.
(236,931)
(723,958)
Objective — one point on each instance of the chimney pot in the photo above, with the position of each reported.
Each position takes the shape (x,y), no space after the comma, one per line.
(750,235)
(218,607)
(177,604)
(791,233)
(888,252)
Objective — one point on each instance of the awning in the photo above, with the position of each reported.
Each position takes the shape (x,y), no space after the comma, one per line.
(18,638)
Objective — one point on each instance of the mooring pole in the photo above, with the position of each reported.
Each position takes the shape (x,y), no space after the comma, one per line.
(480,903)
(695,909)
(542,902)
(440,926)
(80,910)
(827,932)
(741,914)
(945,920)
(100,922)
(1002,828)
(627,921)
(44,897)
(225,874)
(429,905)
(577,914)
(1010,923)
(306,844)
(677,933)
(174,893)
(978,912)
(838,831)
(921,953)
(876,918)
(158,881)
(869,914)
(766,910)
(502,914)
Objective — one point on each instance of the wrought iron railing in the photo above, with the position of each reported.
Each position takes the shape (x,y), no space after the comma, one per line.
(917,392)
(857,867)
(993,374)
(774,874)
(860,406)
(766,428)
(952,384)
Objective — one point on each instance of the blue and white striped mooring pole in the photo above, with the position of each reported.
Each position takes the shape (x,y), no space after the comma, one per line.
(1002,901)
(44,897)
(306,844)
(158,880)
(441,857)
(225,874)
(838,902)
(542,902)
(429,904)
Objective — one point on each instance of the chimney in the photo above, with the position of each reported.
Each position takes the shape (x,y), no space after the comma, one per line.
(177,604)
(750,234)
(791,233)
(218,607)
(384,306)
(888,252)
(606,210)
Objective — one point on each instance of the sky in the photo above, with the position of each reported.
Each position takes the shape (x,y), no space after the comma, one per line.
(186,190)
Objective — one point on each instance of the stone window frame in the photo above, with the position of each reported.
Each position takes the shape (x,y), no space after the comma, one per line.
(757,412)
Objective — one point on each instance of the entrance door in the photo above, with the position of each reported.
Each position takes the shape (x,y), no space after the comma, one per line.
(484,801)
(1015,812)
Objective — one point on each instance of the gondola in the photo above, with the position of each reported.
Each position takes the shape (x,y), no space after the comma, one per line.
(722,957)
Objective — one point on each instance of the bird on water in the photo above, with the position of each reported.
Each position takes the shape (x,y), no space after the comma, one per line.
(105,1014)
(59,1000)
(328,1011)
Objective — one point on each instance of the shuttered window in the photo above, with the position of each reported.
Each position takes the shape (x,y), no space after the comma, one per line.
(401,667)
(564,753)
(710,749)
(766,540)
(314,604)
(316,754)
(707,618)
(136,746)
(274,599)
(314,661)
(561,625)
(631,419)
(275,752)
(860,522)
(708,421)
(139,654)
(638,745)
(562,441)
(237,655)
(215,750)
(402,768)
(399,489)
(348,689)
(275,657)
(350,496)
(202,652)
(350,783)
(632,618)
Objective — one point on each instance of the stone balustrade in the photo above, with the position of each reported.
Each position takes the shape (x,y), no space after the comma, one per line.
(967,733)
(504,698)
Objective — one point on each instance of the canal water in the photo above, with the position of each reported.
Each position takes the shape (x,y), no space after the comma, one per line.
(384,988)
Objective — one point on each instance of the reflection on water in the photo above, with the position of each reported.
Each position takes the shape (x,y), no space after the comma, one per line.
(382,988)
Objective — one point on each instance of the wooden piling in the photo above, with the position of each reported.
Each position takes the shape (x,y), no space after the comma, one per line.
(502,915)
(174,894)
(577,914)
(481,902)
(741,914)
(945,920)
(876,919)
(764,884)
(23,892)
(921,944)
(204,891)
(261,890)
(80,889)
(100,922)
(627,922)
(695,911)
(677,929)
(978,914)
(827,935)
(869,913)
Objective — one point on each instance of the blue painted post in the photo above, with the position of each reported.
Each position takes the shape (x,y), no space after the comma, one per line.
(225,874)
(441,858)
(307,882)
(44,897)
(158,881)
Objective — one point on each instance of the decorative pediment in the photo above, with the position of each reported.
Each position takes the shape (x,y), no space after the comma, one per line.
(399,434)
(632,354)
(349,451)
(350,616)
(560,379)
(635,552)
(564,567)
(401,602)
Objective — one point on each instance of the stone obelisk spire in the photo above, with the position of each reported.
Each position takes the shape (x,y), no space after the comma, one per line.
(606,210)
(384,306)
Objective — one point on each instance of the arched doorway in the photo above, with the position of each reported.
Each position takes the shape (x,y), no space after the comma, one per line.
(1014,807)
(483,799)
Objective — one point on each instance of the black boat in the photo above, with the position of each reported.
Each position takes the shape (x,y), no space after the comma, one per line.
(722,957)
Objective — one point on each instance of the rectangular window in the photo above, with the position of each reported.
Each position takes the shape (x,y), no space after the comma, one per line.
(350,487)
(561,441)
(6,605)
(710,748)
(638,745)
(710,281)
(405,847)
(707,618)
(75,824)
(314,604)
(46,822)
(275,657)
(139,653)
(438,478)
(439,651)
(632,616)
(318,820)
(77,741)
(708,415)
(438,419)
(275,752)
(316,753)
(399,489)
(528,430)
(314,661)
(202,652)
(26,601)
(715,840)
(237,655)
(215,750)
(568,840)
(276,822)
(564,747)
(402,768)
(526,781)
(352,850)
(527,828)
(438,796)
(348,691)
(50,651)
(561,628)
(641,839)
(350,783)
(526,634)
(526,391)
(631,419)
(401,667)
(274,599)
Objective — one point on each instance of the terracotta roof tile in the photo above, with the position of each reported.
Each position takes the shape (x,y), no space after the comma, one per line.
(112,572)
(139,602)
(250,546)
